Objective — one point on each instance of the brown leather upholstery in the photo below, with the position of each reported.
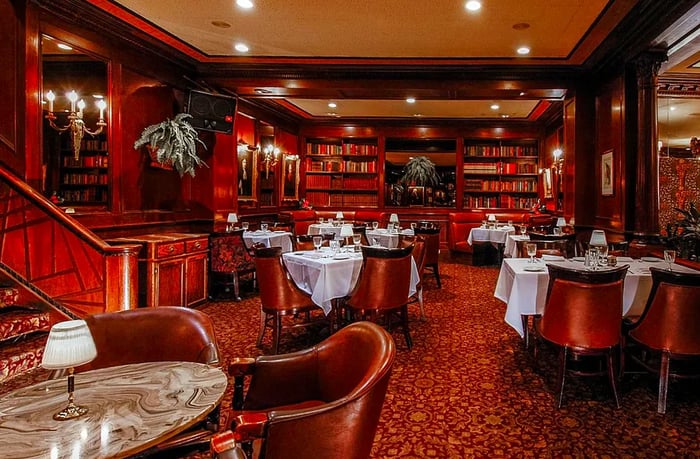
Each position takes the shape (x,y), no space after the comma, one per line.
(321,403)
(279,295)
(669,327)
(432,250)
(419,257)
(300,220)
(372,298)
(229,259)
(304,242)
(583,316)
(167,333)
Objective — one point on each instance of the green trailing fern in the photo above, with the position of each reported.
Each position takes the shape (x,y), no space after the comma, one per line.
(175,143)
(420,171)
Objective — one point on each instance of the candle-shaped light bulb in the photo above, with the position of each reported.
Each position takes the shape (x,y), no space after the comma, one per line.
(50,96)
(81,106)
(73,97)
(557,153)
(101,104)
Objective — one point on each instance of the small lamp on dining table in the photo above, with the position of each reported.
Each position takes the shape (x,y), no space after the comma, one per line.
(69,345)
(346,234)
(339,216)
(231,220)
(598,239)
(394,220)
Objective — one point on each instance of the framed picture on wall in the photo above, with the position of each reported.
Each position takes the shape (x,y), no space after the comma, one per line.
(290,178)
(606,173)
(247,172)
(416,195)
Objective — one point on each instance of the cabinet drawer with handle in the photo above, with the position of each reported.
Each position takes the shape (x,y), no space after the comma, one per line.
(170,249)
(197,245)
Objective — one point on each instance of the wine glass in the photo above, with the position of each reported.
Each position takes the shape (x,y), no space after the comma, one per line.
(375,225)
(263,227)
(320,220)
(669,257)
(531,251)
(335,246)
(318,240)
(356,239)
(413,226)
(523,230)
(245,226)
(602,255)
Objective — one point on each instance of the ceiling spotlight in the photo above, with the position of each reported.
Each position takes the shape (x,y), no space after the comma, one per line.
(411,100)
(672,108)
(417,115)
(505,115)
(332,104)
(522,93)
(241,48)
(64,47)
(246,4)
(523,50)
(473,5)
(495,107)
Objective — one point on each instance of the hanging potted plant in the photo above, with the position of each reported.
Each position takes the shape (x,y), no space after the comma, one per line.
(173,143)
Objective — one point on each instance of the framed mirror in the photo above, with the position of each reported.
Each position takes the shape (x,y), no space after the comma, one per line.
(75,157)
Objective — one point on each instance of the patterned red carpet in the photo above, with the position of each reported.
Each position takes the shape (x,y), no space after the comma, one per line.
(468,389)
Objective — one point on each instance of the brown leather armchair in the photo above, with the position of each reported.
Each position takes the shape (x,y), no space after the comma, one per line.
(279,295)
(168,333)
(229,261)
(668,329)
(432,249)
(583,316)
(321,403)
(382,288)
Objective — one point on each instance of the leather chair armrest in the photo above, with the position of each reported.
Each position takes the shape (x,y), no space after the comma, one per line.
(251,425)
(239,368)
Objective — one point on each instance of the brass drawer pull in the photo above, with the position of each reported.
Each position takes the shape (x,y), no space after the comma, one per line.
(171,249)
(197,245)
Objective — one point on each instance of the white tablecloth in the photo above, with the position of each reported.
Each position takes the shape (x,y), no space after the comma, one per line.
(323,228)
(270,239)
(495,236)
(525,292)
(511,249)
(329,278)
(386,238)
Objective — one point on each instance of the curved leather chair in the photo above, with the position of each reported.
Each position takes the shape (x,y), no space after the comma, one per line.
(583,316)
(168,333)
(431,233)
(321,403)
(229,258)
(279,295)
(304,242)
(669,327)
(382,288)
(419,257)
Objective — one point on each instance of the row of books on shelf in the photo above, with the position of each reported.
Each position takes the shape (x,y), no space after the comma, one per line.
(360,183)
(345,149)
(503,201)
(86,161)
(85,179)
(86,195)
(92,145)
(324,199)
(501,150)
(344,166)
(325,166)
(360,166)
(518,202)
(519,185)
(500,168)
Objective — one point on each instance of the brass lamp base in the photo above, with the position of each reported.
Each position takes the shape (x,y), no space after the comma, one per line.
(71,411)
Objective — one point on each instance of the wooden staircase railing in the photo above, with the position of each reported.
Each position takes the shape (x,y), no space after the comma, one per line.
(53,253)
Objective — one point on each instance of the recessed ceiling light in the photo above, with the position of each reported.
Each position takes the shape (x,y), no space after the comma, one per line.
(505,115)
(247,4)
(241,47)
(411,100)
(221,24)
(522,93)
(473,5)
(65,47)
(523,50)
(495,106)
(332,104)
(671,108)
(417,115)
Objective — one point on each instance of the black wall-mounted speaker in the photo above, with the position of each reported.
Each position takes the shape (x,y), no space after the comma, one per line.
(211,112)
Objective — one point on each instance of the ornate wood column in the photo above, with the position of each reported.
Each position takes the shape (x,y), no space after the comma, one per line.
(646,212)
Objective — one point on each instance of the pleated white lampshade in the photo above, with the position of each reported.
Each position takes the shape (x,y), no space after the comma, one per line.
(70,344)
(598,238)
(346,230)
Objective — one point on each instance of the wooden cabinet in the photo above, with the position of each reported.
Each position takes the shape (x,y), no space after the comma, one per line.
(173,268)
(341,172)
(500,174)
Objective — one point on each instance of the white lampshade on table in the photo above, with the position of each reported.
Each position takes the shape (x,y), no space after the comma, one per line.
(393,218)
(561,222)
(69,344)
(231,220)
(339,215)
(491,218)
(598,239)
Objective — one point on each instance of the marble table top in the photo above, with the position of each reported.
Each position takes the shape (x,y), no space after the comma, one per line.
(131,408)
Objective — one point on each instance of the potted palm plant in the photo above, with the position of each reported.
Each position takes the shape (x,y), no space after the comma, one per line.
(420,171)
(173,143)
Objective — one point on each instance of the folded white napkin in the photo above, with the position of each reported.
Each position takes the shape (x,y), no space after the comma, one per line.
(546,257)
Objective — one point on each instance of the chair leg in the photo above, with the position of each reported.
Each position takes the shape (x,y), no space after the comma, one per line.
(663,381)
(236,286)
(263,322)
(404,323)
(420,304)
(277,333)
(562,373)
(526,330)
(612,375)
(436,273)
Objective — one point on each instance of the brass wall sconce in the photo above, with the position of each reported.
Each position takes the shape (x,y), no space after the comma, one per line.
(76,125)
(270,157)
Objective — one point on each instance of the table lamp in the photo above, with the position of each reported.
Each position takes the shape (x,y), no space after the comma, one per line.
(598,239)
(232,219)
(346,232)
(492,217)
(69,344)
(561,222)
(393,218)
(339,215)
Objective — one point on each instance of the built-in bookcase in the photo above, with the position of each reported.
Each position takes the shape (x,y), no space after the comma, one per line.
(84,181)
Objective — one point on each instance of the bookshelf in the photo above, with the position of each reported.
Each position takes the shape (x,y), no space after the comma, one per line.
(85,181)
(500,174)
(341,172)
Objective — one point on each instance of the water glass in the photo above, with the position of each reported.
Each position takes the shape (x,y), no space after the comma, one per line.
(523,230)
(510,223)
(413,226)
(670,258)
(318,240)
(531,251)
(330,222)
(592,256)
(556,231)
(356,239)
(320,220)
(603,255)
(375,225)
(263,227)
(335,246)
(245,226)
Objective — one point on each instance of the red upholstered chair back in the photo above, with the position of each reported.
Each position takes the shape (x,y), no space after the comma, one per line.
(346,376)
(432,243)
(229,253)
(583,308)
(167,333)
(304,242)
(419,254)
(277,290)
(384,279)
(671,319)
